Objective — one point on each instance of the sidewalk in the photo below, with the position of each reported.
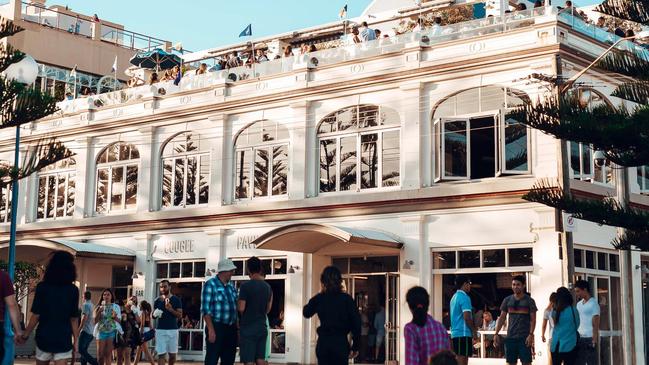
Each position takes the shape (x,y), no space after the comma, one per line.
(27,361)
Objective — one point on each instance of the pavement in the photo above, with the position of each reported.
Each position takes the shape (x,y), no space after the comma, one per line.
(27,361)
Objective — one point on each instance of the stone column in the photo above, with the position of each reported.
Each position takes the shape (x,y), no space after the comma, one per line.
(299,160)
(412,137)
(84,178)
(221,155)
(148,174)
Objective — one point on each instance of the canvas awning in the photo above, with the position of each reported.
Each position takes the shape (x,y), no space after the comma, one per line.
(38,249)
(328,240)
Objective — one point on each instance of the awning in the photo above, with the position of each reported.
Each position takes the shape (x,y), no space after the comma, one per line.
(37,248)
(328,240)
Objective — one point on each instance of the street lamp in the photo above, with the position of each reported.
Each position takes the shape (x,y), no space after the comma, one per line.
(24,72)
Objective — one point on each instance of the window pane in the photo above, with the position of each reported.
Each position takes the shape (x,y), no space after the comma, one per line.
(455,149)
(602,299)
(60,194)
(279,266)
(444,260)
(167,171)
(102,190)
(605,351)
(162,271)
(266,266)
(590,259)
(187,269)
(469,259)
(643,183)
(468,102)
(515,145)
(179,181)
(368,116)
(243,174)
(520,256)
(348,163)
(578,258)
(124,152)
(192,174)
(199,269)
(117,188)
(616,307)
(131,186)
(602,261)
(346,118)
(268,131)
(112,153)
(575,159)
(262,168)
(369,161)
(204,180)
(280,169)
(5,202)
(327,165)
(71,194)
(613,263)
(491,98)
(390,156)
(342,264)
(493,258)
(51,194)
(587,158)
(278,342)
(239,270)
(42,185)
(174,270)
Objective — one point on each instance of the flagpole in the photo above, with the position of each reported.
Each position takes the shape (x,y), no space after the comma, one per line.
(75,86)
(252,44)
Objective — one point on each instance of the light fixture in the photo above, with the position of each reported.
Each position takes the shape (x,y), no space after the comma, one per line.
(137,274)
(24,72)
(291,270)
(407,265)
(209,272)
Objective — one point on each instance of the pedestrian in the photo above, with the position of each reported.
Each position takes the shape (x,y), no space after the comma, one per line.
(168,309)
(379,324)
(86,329)
(444,358)
(9,303)
(424,336)
(462,325)
(55,309)
(548,321)
(130,336)
(107,315)
(521,310)
(338,317)
(255,301)
(589,311)
(566,321)
(219,309)
(147,333)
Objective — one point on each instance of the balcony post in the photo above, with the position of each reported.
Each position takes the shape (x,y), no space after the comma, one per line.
(96,30)
(16,9)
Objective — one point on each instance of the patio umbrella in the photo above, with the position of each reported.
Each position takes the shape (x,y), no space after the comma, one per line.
(156,59)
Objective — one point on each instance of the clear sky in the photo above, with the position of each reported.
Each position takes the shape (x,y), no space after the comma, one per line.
(202,24)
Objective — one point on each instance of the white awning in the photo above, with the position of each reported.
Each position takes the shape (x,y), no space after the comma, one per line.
(328,240)
(33,247)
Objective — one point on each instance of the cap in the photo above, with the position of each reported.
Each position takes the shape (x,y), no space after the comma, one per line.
(225,265)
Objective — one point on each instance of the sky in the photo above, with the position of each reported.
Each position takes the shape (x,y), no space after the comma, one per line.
(203,24)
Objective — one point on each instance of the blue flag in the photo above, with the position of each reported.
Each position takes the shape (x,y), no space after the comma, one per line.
(246,32)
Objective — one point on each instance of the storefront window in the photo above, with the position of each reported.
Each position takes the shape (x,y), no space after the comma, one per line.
(172,270)
(367,264)
(121,281)
(520,256)
(486,258)
(444,260)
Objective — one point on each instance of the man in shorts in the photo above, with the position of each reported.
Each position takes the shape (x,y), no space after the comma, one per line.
(521,310)
(170,311)
(462,324)
(255,300)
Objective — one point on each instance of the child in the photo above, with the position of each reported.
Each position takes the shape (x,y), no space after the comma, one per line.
(424,335)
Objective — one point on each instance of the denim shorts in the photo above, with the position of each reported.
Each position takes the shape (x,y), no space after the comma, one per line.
(103,336)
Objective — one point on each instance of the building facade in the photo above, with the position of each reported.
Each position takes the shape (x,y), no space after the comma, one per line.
(393,160)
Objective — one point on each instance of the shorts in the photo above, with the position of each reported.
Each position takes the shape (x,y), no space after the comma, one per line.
(253,346)
(463,346)
(105,336)
(380,337)
(52,356)
(515,349)
(166,341)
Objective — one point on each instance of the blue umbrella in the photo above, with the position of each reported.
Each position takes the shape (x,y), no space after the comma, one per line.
(156,59)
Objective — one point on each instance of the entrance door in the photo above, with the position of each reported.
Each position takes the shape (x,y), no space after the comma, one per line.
(392,319)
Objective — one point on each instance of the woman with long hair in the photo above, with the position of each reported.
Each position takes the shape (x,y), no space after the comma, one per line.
(146,326)
(130,337)
(424,336)
(55,310)
(107,317)
(338,317)
(566,323)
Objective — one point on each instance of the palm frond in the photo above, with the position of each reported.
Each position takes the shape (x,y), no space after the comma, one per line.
(8,28)
(634,64)
(632,239)
(45,153)
(633,10)
(9,56)
(635,91)
(29,105)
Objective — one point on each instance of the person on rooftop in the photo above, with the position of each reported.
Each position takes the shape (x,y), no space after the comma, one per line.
(153,78)
(233,60)
(367,34)
(354,36)
(168,76)
(201,69)
(312,48)
(261,56)
(288,51)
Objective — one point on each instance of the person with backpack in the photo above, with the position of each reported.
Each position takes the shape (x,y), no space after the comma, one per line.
(424,336)
(566,324)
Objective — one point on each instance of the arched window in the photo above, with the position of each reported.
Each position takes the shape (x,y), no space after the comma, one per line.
(473,137)
(5,196)
(185,171)
(56,190)
(261,151)
(359,149)
(117,168)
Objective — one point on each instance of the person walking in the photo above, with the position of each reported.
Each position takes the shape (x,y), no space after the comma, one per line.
(548,321)
(424,336)
(255,301)
(462,324)
(146,333)
(169,309)
(107,315)
(379,325)
(219,309)
(338,317)
(55,309)
(519,309)
(566,321)
(130,336)
(9,304)
(589,311)
(86,329)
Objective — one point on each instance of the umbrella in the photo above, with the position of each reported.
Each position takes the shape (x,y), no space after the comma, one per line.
(156,59)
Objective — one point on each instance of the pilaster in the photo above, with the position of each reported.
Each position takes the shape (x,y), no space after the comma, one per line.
(149,174)
(221,155)
(413,125)
(299,161)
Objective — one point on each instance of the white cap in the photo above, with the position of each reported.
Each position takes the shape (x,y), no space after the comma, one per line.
(226,265)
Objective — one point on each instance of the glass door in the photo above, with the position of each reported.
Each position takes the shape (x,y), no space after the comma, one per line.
(392,319)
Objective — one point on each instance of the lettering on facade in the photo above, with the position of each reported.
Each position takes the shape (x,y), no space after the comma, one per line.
(118,113)
(477,47)
(262,86)
(58,122)
(178,246)
(245,242)
(185,99)
(357,68)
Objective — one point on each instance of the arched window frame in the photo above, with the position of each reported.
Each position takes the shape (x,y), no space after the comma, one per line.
(369,125)
(175,165)
(57,190)
(454,126)
(118,160)
(5,198)
(258,139)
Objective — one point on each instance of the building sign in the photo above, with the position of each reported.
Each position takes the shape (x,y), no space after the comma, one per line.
(179,246)
(245,242)
(192,245)
(569,223)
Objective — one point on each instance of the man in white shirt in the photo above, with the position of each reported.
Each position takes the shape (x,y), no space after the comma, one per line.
(588,309)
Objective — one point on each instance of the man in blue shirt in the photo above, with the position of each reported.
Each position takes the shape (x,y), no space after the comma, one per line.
(367,33)
(219,309)
(462,325)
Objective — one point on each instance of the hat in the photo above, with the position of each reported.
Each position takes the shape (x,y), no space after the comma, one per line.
(225,265)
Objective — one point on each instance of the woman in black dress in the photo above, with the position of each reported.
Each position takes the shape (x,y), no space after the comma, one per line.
(55,310)
(338,317)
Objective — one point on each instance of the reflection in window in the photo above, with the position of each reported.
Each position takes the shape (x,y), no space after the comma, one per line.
(5,202)
(185,172)
(643,178)
(56,190)
(359,149)
(117,170)
(261,160)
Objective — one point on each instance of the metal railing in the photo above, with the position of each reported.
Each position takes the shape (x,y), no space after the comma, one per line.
(128,39)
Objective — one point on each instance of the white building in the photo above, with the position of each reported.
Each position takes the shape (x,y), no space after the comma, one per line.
(392,160)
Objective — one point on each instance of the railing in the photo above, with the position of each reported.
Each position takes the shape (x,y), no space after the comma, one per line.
(128,39)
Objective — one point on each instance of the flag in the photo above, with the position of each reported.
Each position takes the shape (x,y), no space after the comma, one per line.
(343,12)
(114,69)
(73,72)
(246,32)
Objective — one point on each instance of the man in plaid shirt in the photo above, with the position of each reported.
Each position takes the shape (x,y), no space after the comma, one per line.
(219,309)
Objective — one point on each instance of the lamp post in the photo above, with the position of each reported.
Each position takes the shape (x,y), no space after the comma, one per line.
(24,72)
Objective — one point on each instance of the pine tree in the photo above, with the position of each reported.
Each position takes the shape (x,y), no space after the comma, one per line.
(621,134)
